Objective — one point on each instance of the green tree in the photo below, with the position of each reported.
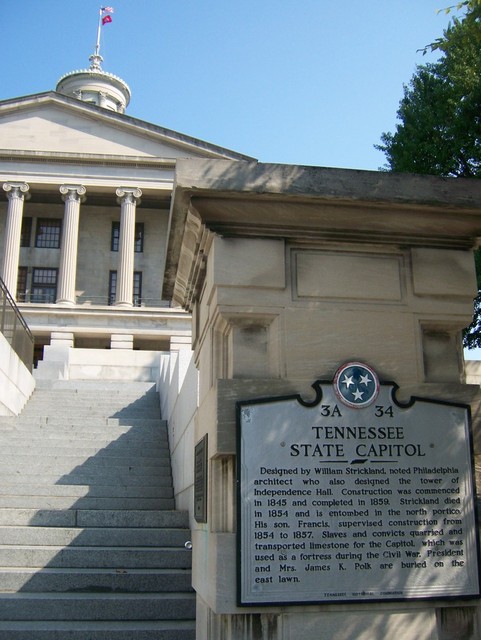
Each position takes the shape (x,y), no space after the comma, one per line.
(472,334)
(439,132)
(440,113)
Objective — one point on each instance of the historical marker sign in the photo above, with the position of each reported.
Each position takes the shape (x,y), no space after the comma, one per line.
(200,480)
(354,497)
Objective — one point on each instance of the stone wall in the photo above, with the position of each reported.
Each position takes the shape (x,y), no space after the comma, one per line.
(178,388)
(16,381)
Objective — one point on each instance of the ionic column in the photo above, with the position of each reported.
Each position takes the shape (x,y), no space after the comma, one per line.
(72,196)
(128,199)
(11,252)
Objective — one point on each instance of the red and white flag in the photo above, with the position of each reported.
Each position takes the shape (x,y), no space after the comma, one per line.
(106,19)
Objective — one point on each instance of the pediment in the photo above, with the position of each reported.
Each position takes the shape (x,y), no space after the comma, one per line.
(54,123)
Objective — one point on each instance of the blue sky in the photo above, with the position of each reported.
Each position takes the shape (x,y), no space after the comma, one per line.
(310,82)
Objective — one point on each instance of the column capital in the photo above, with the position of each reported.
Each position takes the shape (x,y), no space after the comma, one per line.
(74,192)
(128,194)
(16,189)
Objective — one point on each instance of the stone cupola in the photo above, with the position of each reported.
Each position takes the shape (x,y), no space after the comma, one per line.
(96,86)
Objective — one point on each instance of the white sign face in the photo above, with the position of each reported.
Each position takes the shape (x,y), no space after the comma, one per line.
(354,498)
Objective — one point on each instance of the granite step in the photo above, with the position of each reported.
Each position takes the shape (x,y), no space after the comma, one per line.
(85,478)
(73,446)
(85,424)
(43,503)
(108,491)
(107,388)
(93,536)
(91,467)
(59,461)
(83,518)
(85,630)
(96,606)
(48,579)
(95,557)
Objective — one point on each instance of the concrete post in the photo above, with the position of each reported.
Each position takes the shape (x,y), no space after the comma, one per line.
(289,273)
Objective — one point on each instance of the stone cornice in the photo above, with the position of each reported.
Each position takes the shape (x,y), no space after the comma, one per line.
(104,320)
(226,178)
(92,310)
(57,157)
(310,205)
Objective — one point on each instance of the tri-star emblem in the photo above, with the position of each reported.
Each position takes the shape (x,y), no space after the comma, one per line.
(356,384)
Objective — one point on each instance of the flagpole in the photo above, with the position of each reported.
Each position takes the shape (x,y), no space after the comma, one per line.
(97,46)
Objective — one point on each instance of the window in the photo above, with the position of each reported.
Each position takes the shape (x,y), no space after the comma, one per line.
(48,233)
(44,285)
(22,284)
(137,289)
(112,286)
(138,240)
(115,237)
(26,232)
(137,293)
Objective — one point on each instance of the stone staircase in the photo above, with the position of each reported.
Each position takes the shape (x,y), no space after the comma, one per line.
(91,547)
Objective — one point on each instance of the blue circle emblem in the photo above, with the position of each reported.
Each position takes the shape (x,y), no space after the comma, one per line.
(356,385)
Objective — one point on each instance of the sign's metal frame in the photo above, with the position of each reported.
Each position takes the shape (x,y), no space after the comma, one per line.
(317,599)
